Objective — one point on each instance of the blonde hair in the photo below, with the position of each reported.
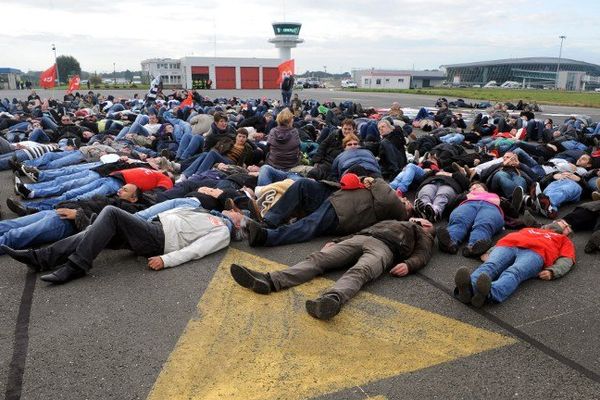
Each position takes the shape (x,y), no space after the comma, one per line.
(349,138)
(285,117)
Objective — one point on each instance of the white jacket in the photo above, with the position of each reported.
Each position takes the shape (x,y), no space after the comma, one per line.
(190,234)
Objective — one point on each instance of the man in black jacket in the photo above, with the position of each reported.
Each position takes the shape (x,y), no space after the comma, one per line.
(402,247)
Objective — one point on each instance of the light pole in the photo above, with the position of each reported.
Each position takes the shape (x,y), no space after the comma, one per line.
(56,62)
(114,74)
(561,37)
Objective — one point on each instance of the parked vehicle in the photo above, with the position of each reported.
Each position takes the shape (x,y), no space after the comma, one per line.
(349,83)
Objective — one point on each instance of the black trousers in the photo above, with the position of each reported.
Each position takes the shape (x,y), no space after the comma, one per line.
(114,228)
(582,219)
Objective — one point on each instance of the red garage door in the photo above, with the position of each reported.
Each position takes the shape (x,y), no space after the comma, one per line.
(249,77)
(199,70)
(270,75)
(225,77)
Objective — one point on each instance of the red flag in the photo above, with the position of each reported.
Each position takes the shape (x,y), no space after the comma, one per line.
(188,102)
(286,68)
(47,77)
(73,84)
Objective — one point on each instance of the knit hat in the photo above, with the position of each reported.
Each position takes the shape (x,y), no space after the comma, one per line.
(351,182)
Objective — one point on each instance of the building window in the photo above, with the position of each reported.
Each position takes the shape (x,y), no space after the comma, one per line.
(378,81)
(367,81)
(400,80)
(387,80)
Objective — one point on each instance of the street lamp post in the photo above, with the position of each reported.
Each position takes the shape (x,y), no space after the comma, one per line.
(561,37)
(56,62)
(114,74)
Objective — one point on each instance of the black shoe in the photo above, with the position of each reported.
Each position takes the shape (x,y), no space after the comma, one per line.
(593,244)
(483,287)
(67,272)
(17,207)
(325,307)
(15,165)
(430,214)
(464,290)
(22,190)
(477,249)
(445,243)
(517,198)
(256,281)
(23,256)
(257,235)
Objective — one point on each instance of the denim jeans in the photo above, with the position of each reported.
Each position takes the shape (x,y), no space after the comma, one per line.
(149,213)
(573,145)
(286,95)
(423,114)
(438,195)
(507,267)
(101,187)
(321,221)
(38,135)
(526,159)
(591,183)
(34,229)
(62,184)
(50,174)
(481,218)
(137,127)
(411,173)
(305,195)
(268,175)
(453,138)
(189,145)
(206,162)
(505,182)
(53,160)
(563,191)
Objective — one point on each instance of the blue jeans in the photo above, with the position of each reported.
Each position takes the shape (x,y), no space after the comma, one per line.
(507,267)
(453,138)
(423,114)
(411,173)
(286,95)
(591,183)
(62,184)
(20,155)
(573,145)
(50,174)
(38,135)
(481,218)
(322,221)
(563,191)
(53,160)
(189,145)
(205,162)
(137,127)
(505,182)
(526,159)
(34,229)
(149,213)
(100,187)
(268,175)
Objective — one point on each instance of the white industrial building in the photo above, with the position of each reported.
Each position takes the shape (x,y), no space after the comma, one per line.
(397,79)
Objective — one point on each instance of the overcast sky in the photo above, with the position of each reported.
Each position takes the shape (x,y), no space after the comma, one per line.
(341,35)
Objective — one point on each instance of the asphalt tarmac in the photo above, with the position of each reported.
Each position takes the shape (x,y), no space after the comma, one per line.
(126,332)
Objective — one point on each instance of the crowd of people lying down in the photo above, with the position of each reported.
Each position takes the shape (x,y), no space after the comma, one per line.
(174,177)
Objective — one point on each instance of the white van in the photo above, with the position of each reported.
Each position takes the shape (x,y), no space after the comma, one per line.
(349,83)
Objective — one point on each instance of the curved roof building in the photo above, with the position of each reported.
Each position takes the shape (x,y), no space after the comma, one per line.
(532,70)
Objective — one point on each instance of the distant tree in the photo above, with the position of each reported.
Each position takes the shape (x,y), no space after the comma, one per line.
(67,66)
(128,75)
(95,79)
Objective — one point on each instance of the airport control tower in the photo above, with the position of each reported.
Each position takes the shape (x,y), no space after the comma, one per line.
(286,37)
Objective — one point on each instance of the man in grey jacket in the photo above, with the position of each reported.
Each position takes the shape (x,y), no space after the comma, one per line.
(177,236)
(400,247)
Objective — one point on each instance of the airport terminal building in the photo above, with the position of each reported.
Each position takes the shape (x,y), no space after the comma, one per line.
(530,71)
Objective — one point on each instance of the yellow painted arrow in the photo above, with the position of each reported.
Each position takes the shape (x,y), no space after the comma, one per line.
(247,346)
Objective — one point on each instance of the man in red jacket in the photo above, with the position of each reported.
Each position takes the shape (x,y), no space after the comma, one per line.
(545,252)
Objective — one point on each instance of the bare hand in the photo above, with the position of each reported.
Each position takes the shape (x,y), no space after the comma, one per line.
(66,213)
(400,270)
(546,275)
(327,245)
(368,182)
(156,263)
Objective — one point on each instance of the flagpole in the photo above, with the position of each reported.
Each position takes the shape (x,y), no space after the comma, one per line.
(55,63)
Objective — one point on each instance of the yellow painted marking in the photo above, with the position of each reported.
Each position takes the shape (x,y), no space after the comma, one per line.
(243,345)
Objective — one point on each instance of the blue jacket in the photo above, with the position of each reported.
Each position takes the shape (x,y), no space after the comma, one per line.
(349,158)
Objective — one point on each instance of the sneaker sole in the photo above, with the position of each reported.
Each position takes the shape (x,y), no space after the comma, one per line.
(245,278)
(324,309)
(462,280)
